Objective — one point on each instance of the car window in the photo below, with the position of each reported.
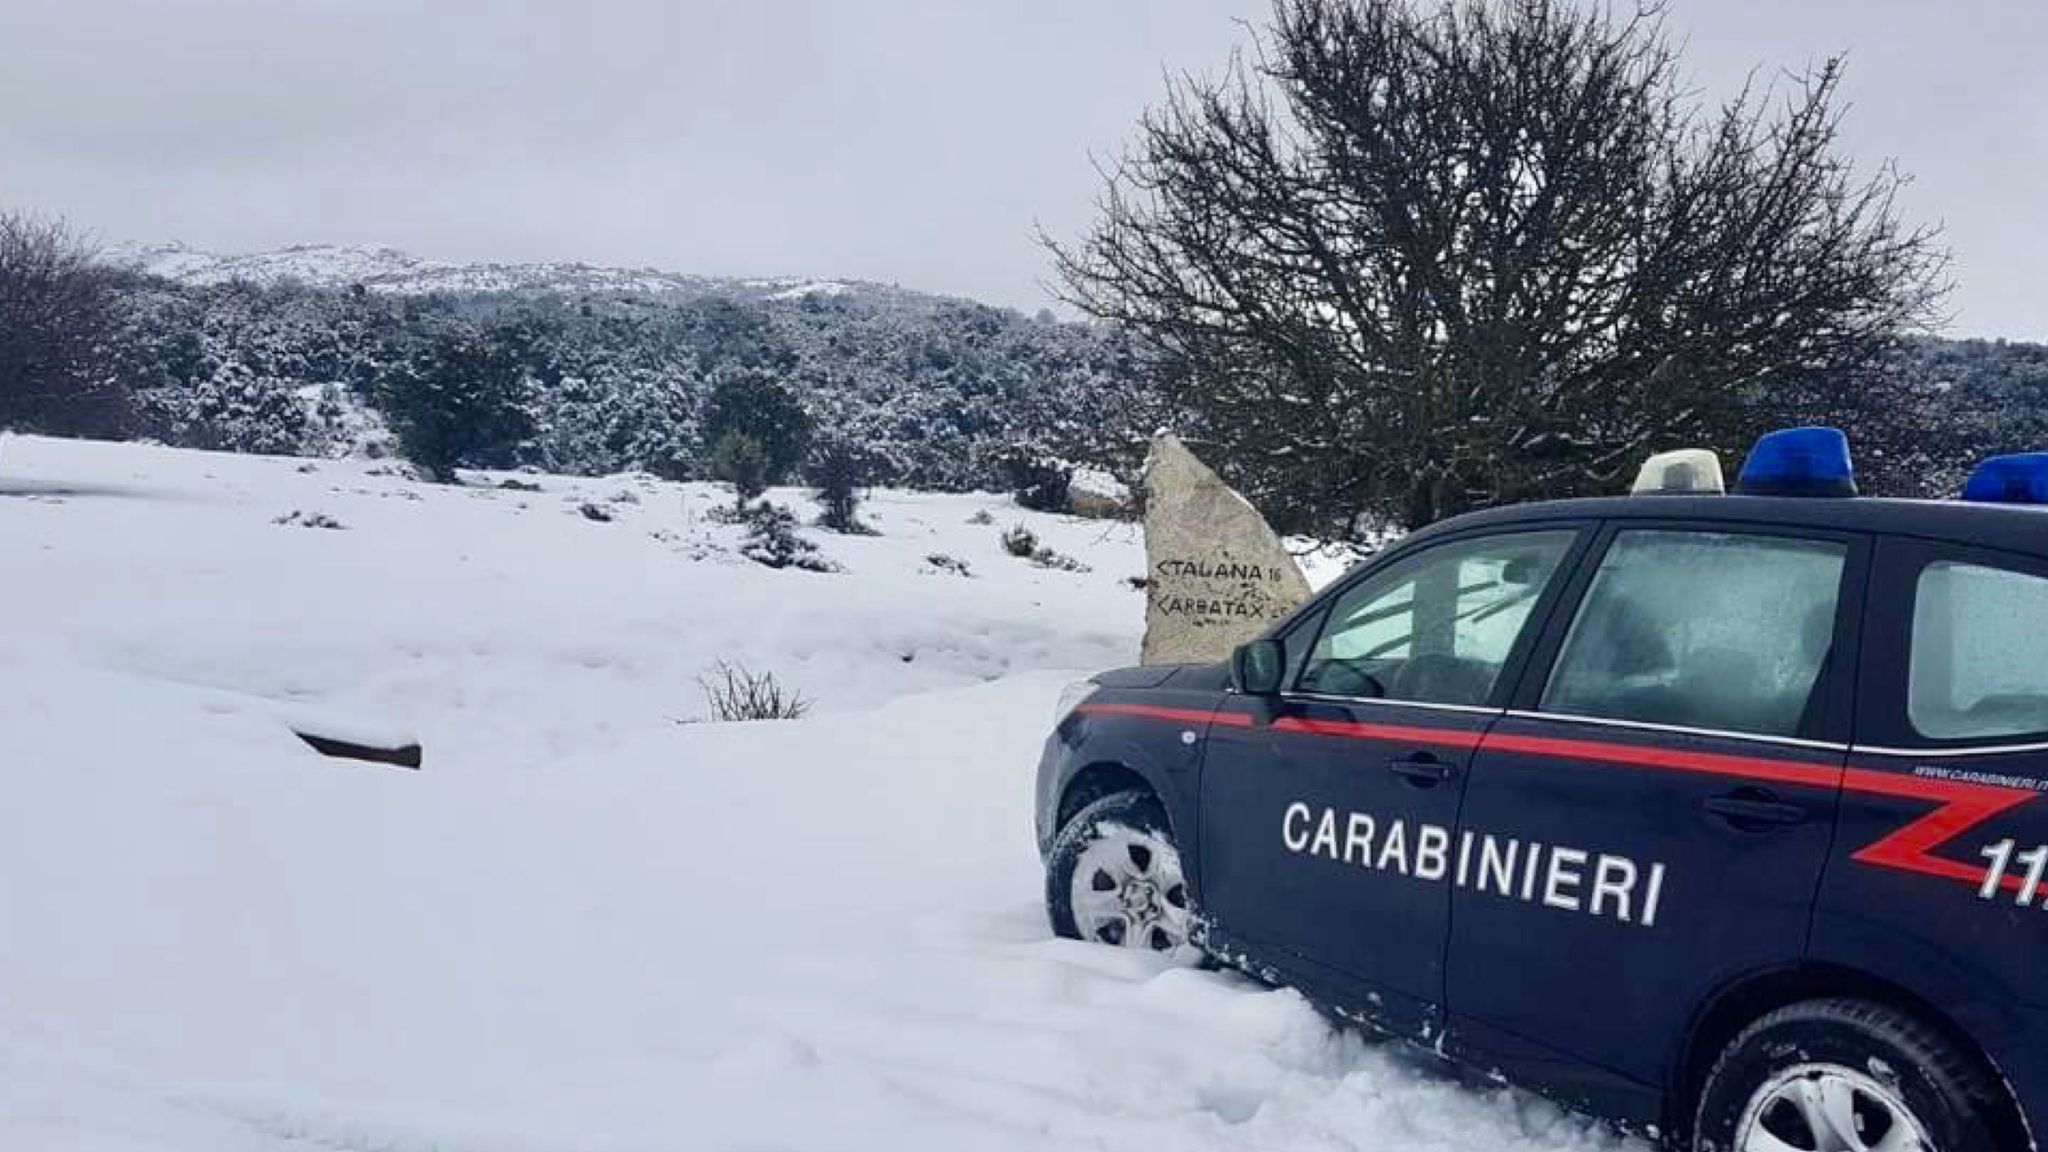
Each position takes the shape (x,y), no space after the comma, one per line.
(1301,641)
(1978,667)
(1702,630)
(1437,627)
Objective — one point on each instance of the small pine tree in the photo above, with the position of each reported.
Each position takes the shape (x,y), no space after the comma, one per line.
(754,432)
(841,470)
(739,460)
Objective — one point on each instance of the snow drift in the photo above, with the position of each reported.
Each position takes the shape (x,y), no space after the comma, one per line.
(590,923)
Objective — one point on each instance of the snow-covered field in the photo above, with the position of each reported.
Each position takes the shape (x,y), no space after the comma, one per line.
(589,924)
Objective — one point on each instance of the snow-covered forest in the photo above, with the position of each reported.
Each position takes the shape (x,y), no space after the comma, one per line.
(294,354)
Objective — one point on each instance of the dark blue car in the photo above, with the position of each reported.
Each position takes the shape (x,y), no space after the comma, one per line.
(1719,816)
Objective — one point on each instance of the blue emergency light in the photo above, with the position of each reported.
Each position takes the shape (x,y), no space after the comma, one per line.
(2021,478)
(1798,462)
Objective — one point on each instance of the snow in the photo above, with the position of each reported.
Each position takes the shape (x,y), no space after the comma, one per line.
(811,288)
(589,922)
(1100,484)
(379,268)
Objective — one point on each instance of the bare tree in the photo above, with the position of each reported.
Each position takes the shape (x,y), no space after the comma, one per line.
(60,330)
(1403,261)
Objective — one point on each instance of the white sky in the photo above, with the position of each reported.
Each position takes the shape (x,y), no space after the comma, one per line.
(911,141)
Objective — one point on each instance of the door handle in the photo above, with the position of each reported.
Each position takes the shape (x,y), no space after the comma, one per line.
(1423,771)
(1754,810)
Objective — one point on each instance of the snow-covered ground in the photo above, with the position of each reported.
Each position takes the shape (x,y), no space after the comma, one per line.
(590,923)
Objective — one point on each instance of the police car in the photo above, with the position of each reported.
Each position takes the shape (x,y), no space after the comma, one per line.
(1717,815)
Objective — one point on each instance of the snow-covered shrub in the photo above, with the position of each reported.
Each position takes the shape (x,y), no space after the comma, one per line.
(982,519)
(1022,543)
(773,540)
(310,520)
(737,693)
(231,410)
(1058,561)
(594,511)
(950,565)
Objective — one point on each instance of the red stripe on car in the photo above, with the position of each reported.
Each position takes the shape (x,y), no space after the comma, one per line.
(1450,737)
(1674,759)
(1964,805)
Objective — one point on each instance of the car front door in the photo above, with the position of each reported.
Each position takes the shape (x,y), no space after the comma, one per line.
(1652,818)
(1328,812)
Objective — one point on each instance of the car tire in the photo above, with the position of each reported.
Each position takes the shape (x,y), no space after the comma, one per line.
(1847,1064)
(1114,877)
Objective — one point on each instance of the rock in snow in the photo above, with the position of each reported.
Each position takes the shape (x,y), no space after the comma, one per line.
(588,925)
(1216,575)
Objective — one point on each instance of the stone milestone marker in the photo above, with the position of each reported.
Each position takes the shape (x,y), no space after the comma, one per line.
(1217,575)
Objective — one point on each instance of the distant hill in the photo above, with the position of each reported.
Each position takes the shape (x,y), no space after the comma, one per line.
(294,352)
(390,270)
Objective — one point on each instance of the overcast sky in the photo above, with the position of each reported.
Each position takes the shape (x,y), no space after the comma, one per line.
(909,141)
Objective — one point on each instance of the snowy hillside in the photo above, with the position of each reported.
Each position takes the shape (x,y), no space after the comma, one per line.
(589,923)
(382,269)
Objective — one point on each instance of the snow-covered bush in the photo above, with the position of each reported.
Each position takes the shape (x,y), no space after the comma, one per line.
(1020,541)
(1058,561)
(231,410)
(773,540)
(309,520)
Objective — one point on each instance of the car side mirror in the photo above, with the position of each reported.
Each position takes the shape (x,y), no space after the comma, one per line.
(1259,668)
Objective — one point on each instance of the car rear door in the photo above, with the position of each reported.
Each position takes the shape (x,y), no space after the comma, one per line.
(1652,817)
(1939,875)
(1327,813)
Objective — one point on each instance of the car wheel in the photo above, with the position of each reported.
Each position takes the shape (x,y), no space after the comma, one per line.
(1114,877)
(1843,1076)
